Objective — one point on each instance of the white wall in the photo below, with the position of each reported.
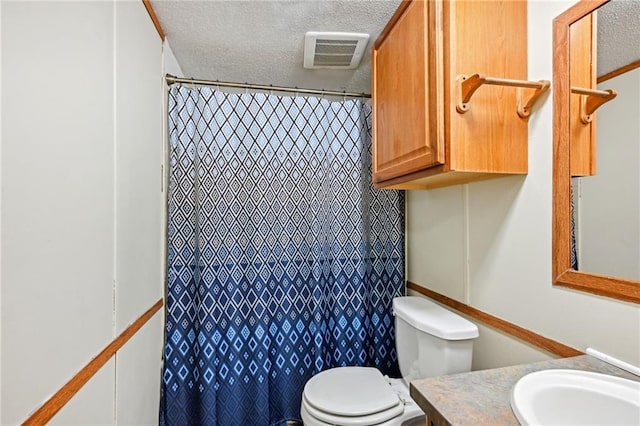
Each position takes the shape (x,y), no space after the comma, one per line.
(81,227)
(608,222)
(0,214)
(171,65)
(488,244)
(139,206)
(57,224)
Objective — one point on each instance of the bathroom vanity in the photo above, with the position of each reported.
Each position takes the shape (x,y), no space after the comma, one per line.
(483,397)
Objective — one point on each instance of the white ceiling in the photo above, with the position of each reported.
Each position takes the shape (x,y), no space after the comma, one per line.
(262,42)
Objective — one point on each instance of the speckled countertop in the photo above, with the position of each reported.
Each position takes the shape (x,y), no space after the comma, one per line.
(483,397)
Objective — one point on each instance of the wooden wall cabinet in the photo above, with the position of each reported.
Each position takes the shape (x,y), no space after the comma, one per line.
(424,137)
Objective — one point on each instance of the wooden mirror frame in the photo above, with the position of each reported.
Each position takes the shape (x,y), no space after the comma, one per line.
(563,275)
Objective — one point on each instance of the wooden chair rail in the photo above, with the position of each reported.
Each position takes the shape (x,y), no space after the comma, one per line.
(49,409)
(514,330)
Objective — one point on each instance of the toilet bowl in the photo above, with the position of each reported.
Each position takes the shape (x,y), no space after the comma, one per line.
(430,341)
(361,396)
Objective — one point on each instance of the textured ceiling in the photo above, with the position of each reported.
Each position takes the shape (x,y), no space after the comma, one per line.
(618,34)
(262,42)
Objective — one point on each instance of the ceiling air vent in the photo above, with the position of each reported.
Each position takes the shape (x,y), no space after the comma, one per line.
(334,50)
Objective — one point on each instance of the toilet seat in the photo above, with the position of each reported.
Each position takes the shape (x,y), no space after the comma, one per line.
(351,396)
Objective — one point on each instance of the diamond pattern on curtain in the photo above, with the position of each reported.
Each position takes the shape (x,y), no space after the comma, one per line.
(282,259)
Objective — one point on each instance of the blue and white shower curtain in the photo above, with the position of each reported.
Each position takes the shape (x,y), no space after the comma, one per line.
(282,258)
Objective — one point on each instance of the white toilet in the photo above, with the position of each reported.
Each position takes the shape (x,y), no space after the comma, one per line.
(430,341)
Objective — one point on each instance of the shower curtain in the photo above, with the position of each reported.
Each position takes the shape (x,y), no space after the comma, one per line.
(282,259)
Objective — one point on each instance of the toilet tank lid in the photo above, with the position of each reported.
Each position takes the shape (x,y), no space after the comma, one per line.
(432,318)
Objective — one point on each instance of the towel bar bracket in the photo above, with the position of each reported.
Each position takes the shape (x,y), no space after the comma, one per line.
(467,85)
(591,100)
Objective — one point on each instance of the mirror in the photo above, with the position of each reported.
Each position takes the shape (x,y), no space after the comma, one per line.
(600,223)
(606,203)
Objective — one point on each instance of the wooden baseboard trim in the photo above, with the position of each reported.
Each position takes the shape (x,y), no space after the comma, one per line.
(514,330)
(49,409)
(154,18)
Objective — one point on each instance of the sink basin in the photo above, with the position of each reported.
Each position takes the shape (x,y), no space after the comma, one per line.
(575,397)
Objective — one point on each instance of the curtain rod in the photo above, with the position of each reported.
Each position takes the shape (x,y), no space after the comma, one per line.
(171,79)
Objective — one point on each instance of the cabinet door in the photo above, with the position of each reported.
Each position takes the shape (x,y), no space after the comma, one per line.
(407,94)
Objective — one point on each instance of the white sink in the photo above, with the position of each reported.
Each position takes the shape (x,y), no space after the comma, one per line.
(575,397)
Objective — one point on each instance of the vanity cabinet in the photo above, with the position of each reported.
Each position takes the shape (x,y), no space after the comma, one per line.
(424,136)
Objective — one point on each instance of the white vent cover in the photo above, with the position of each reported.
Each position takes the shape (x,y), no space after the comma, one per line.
(334,50)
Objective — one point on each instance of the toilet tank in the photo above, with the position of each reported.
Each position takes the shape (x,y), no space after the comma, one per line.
(431,340)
